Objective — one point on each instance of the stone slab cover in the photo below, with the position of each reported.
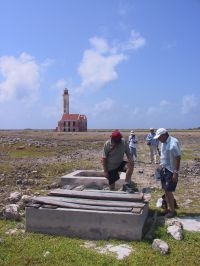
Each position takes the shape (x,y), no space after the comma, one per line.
(114,215)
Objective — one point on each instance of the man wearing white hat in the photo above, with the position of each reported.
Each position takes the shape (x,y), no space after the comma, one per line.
(169,167)
(153,145)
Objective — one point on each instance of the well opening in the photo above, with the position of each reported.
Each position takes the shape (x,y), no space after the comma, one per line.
(90,174)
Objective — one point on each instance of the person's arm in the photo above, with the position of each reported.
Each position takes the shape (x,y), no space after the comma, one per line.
(128,155)
(158,149)
(176,166)
(104,165)
(136,139)
(105,169)
(148,139)
(106,147)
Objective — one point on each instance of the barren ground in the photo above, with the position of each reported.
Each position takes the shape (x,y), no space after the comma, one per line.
(32,161)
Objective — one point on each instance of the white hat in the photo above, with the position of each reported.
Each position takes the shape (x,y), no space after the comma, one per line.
(132,132)
(160,132)
(151,128)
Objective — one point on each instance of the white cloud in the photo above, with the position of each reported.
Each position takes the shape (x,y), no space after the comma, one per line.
(96,70)
(98,65)
(99,45)
(125,8)
(135,41)
(48,62)
(164,103)
(19,78)
(105,105)
(60,84)
(152,110)
(50,111)
(189,103)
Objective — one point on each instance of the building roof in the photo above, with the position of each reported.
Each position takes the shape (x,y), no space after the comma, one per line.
(72,117)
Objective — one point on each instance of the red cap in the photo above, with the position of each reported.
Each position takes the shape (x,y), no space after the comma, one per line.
(116,135)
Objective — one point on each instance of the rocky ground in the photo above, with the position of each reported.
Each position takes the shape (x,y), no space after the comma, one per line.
(32,162)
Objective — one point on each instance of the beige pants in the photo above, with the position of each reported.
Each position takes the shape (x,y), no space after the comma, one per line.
(153,153)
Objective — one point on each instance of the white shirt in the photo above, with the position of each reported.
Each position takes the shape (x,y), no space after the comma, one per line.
(133,140)
(169,150)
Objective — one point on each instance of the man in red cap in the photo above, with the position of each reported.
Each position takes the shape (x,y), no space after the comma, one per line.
(113,163)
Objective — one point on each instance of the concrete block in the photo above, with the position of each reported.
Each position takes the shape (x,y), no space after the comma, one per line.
(87,224)
(89,178)
(96,214)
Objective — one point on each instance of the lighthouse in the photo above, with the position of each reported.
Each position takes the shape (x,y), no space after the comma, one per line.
(71,122)
(65,101)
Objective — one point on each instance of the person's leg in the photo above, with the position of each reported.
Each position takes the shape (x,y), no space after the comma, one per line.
(169,187)
(154,154)
(134,154)
(112,186)
(113,177)
(170,201)
(129,172)
(127,168)
(131,151)
(151,153)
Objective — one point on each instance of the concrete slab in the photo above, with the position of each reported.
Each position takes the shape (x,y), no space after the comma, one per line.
(120,252)
(86,224)
(89,214)
(89,178)
(190,223)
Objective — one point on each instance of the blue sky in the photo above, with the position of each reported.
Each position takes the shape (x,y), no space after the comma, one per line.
(127,64)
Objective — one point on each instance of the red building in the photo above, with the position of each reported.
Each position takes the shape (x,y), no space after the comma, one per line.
(71,122)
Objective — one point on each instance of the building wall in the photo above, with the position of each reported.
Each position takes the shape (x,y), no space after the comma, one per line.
(72,126)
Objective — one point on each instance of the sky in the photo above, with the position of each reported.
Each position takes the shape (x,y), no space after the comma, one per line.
(127,64)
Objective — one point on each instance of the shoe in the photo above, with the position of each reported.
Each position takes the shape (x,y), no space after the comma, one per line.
(128,188)
(170,214)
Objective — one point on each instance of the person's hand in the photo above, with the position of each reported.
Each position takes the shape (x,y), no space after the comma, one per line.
(175,177)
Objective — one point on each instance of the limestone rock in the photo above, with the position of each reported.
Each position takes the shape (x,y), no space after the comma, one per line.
(160,245)
(11,212)
(14,197)
(26,198)
(174,221)
(175,231)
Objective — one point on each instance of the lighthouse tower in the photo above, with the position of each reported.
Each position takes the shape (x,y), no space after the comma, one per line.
(70,122)
(66,102)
